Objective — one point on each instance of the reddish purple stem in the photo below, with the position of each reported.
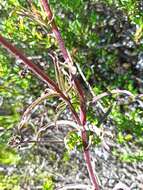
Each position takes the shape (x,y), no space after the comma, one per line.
(66,58)
(38,72)
(80,92)
(55,30)
(44,77)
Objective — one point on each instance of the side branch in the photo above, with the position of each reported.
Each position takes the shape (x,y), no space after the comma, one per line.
(34,68)
(38,72)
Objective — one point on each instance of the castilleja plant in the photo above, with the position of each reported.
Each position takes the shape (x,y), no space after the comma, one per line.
(55,87)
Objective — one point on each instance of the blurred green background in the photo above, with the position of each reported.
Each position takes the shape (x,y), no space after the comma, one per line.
(105,38)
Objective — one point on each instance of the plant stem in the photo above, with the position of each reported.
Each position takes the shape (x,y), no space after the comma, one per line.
(38,72)
(66,57)
(82,121)
(55,30)
(87,158)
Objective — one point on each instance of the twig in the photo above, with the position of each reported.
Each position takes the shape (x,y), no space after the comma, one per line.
(38,72)
(115,91)
(21,143)
(76,186)
(33,67)
(121,185)
(72,124)
(28,111)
